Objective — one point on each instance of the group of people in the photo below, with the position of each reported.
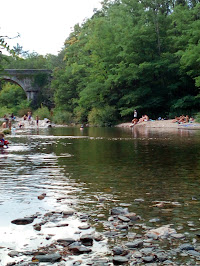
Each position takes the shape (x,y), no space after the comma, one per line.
(136,120)
(8,121)
(183,119)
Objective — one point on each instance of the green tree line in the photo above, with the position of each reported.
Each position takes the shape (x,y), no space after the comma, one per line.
(129,55)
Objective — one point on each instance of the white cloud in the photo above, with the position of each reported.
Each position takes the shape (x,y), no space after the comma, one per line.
(43,24)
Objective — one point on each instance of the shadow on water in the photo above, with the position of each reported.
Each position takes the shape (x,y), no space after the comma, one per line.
(75,168)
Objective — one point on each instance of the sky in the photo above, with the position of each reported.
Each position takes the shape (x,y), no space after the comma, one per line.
(43,25)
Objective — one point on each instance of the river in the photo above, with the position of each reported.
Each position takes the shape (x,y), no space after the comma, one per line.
(90,171)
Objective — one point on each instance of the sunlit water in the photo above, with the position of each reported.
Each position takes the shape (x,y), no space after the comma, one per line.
(77,167)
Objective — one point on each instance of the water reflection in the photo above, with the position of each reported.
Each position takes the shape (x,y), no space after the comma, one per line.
(76,168)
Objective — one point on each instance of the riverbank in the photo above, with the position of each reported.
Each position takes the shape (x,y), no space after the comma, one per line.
(161,124)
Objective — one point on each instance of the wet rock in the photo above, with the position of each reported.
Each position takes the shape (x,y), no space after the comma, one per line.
(100,215)
(198,234)
(186,247)
(139,200)
(151,235)
(146,251)
(37,227)
(84,217)
(23,221)
(163,231)
(122,227)
(68,213)
(148,259)
(119,211)
(178,236)
(168,262)
(135,244)
(42,196)
(101,199)
(123,218)
(161,256)
(98,237)
(48,258)
(62,225)
(13,253)
(193,253)
(65,241)
(79,249)
(111,234)
(132,216)
(154,220)
(84,227)
(137,254)
(87,240)
(117,260)
(118,250)
(110,219)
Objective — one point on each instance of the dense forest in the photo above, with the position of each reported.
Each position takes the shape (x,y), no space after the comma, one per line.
(129,55)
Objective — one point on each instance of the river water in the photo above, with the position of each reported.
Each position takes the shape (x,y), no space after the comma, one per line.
(93,170)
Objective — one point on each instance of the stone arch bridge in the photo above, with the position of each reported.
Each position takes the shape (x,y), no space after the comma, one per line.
(30,80)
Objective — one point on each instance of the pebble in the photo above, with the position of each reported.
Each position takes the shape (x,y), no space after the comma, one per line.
(135,244)
(119,259)
(84,227)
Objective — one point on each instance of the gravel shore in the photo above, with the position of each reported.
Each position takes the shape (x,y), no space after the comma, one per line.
(161,124)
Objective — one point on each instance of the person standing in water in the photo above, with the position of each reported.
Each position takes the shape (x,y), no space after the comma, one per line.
(37,120)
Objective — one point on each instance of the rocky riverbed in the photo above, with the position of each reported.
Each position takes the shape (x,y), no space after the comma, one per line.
(123,238)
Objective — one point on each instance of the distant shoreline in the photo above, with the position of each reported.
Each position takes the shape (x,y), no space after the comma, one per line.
(159,124)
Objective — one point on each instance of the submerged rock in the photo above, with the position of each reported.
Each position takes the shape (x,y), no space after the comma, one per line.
(135,244)
(79,249)
(119,259)
(23,221)
(48,258)
(163,231)
(119,211)
(186,247)
(123,218)
(66,241)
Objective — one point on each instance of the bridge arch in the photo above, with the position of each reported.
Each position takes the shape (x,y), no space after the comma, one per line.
(27,80)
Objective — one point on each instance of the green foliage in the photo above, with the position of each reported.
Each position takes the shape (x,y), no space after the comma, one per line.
(130,55)
(5,111)
(197,117)
(62,117)
(102,116)
(42,112)
(13,98)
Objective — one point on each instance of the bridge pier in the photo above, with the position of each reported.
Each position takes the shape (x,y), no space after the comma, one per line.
(31,95)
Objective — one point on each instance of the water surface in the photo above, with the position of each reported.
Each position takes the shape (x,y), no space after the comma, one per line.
(77,167)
